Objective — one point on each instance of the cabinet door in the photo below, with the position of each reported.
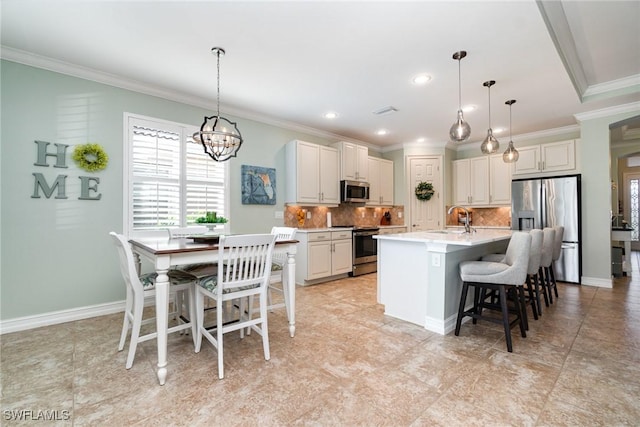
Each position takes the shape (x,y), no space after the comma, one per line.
(318,260)
(558,156)
(499,180)
(349,161)
(479,180)
(386,182)
(341,257)
(374,181)
(329,177)
(362,163)
(528,160)
(461,174)
(308,173)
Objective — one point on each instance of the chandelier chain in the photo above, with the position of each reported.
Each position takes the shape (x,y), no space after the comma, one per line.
(218,87)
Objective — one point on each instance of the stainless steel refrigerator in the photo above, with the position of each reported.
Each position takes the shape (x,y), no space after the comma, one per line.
(549,202)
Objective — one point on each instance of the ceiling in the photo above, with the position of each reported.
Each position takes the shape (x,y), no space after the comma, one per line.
(288,63)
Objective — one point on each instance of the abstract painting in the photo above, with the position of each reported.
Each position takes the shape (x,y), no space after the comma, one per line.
(258,185)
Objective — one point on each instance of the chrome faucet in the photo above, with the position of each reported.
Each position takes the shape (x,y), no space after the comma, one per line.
(467,226)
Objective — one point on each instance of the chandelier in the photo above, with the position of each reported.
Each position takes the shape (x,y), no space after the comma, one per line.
(219,136)
(490,144)
(460,130)
(511,155)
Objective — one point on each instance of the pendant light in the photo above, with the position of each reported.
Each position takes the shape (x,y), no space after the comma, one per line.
(219,136)
(511,154)
(460,130)
(490,145)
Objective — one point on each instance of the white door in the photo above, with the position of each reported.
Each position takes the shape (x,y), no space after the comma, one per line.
(425,214)
(632,207)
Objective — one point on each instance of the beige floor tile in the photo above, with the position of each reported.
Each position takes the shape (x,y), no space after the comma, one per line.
(348,365)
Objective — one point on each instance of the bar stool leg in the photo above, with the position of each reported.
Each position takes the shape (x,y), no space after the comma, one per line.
(463,299)
(532,296)
(505,317)
(523,307)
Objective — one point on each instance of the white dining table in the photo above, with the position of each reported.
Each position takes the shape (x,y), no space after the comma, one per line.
(165,253)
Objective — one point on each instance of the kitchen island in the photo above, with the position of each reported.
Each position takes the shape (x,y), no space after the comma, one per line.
(418,277)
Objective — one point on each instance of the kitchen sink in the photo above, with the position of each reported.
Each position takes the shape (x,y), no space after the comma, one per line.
(446,231)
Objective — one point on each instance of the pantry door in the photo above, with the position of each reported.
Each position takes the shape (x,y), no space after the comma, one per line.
(425,214)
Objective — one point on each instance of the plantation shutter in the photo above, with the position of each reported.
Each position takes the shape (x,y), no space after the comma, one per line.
(172,181)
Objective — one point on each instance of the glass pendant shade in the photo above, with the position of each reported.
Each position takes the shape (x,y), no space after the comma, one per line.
(490,144)
(460,130)
(511,155)
(219,136)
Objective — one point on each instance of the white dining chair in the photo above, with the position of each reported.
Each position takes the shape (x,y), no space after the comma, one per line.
(138,288)
(197,270)
(244,269)
(277,267)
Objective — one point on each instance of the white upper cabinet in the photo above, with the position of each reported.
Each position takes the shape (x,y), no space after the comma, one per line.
(552,157)
(482,181)
(354,161)
(312,174)
(499,181)
(471,181)
(380,182)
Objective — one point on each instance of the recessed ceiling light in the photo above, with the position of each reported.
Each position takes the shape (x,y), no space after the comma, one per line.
(420,139)
(330,115)
(421,79)
(498,130)
(468,108)
(381,132)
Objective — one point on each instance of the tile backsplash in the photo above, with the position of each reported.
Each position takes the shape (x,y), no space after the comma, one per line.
(341,215)
(369,216)
(482,217)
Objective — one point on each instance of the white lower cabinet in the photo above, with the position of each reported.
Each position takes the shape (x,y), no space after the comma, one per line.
(392,229)
(323,255)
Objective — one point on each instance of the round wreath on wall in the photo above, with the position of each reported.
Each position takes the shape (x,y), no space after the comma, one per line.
(424,190)
(90,157)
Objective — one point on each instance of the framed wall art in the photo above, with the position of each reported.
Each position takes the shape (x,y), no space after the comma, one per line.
(258,185)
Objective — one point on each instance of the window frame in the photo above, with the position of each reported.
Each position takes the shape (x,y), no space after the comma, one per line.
(127,173)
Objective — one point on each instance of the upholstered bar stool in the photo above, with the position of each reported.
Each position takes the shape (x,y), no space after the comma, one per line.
(533,283)
(557,250)
(505,277)
(548,241)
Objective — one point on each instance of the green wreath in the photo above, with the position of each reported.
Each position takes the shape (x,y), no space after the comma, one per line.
(424,191)
(90,157)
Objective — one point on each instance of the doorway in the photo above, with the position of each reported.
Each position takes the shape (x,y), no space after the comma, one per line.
(632,206)
(425,214)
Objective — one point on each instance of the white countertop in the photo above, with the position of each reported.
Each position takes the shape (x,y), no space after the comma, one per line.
(452,237)
(339,228)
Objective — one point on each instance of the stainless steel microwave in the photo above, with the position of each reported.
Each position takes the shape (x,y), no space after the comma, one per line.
(354,191)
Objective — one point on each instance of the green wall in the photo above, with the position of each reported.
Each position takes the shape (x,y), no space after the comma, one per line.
(56,254)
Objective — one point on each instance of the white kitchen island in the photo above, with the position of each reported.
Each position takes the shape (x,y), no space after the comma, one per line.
(418,277)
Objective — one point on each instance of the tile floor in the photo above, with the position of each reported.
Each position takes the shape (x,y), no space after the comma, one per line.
(348,365)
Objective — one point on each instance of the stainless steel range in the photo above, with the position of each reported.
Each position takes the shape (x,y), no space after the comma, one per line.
(365,250)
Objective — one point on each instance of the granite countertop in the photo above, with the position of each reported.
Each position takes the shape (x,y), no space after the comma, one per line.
(451,237)
(621,229)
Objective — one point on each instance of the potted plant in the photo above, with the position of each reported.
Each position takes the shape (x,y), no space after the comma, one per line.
(212,221)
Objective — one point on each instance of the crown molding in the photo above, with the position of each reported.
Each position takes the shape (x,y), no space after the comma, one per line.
(562,132)
(613,87)
(610,111)
(45,63)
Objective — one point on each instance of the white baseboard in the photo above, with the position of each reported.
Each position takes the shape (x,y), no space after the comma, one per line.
(597,281)
(57,317)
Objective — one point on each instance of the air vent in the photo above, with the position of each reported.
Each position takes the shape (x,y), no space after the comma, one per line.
(385,110)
